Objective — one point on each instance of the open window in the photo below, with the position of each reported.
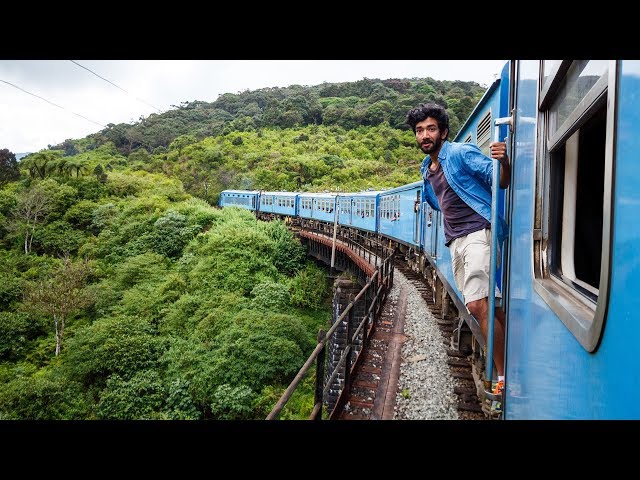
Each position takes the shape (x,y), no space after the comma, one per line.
(573,214)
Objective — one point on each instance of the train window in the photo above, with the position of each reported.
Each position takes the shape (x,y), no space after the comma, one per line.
(573,191)
(550,70)
(345,206)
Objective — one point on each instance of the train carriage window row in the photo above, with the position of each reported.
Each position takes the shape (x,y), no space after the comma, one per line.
(324,205)
(364,207)
(345,206)
(390,207)
(240,199)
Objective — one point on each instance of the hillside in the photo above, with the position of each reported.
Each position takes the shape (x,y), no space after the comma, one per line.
(349,105)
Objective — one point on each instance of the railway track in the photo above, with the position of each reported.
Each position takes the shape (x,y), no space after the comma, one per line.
(375,380)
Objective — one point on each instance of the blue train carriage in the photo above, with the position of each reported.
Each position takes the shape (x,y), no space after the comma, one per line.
(358,210)
(317,206)
(399,214)
(240,198)
(278,204)
(574,268)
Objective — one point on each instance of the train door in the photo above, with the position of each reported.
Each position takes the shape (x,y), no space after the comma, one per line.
(349,206)
(416,218)
(434,218)
(430,222)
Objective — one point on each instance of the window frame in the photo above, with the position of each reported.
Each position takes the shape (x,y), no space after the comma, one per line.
(583,316)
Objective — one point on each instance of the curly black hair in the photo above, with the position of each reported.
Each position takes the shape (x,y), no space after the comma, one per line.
(424,110)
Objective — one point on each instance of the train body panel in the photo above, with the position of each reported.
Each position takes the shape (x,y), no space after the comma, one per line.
(359,210)
(399,215)
(282,203)
(570,353)
(443,259)
(317,206)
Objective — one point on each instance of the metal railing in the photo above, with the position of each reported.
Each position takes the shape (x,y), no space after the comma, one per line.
(379,283)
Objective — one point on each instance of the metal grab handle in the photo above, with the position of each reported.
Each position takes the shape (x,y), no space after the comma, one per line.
(495,185)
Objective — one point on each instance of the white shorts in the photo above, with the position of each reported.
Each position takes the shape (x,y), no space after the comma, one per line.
(470,260)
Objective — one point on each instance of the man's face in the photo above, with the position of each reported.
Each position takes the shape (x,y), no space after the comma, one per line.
(429,136)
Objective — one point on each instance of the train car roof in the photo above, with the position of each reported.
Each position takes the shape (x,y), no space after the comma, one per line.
(253,192)
(402,188)
(318,194)
(373,193)
(289,194)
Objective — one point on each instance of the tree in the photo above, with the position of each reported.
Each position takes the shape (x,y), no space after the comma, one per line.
(69,148)
(9,170)
(60,295)
(179,143)
(31,209)
(37,162)
(99,173)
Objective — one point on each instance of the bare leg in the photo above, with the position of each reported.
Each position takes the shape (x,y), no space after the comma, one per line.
(479,309)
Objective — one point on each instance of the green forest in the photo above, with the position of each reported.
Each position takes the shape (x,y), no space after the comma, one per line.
(127,294)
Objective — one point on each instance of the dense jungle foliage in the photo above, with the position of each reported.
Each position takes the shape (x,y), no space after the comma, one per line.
(125,295)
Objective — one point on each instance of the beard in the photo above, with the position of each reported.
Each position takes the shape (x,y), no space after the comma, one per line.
(430,147)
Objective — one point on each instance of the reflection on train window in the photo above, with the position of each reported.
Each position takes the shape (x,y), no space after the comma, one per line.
(570,234)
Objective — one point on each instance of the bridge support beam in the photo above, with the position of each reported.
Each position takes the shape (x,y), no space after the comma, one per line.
(344,291)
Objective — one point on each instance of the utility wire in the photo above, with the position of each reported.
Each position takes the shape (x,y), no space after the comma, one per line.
(54,104)
(109,81)
(67,110)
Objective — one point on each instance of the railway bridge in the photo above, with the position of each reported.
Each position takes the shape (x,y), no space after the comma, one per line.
(357,361)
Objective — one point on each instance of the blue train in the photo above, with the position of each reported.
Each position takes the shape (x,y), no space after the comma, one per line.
(570,266)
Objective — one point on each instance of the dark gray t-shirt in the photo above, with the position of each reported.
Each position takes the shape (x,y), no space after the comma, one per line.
(459,218)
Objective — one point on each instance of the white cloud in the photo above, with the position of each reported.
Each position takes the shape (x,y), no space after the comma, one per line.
(29,124)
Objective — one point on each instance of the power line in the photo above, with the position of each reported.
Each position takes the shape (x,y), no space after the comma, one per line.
(109,81)
(115,127)
(51,103)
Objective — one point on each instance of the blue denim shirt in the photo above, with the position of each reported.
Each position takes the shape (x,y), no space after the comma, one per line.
(470,174)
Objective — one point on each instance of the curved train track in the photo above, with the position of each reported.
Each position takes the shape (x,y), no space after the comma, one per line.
(375,380)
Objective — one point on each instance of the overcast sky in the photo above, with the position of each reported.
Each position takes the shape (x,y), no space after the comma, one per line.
(76,102)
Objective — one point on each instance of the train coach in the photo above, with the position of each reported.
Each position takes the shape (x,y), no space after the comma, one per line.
(239,198)
(317,206)
(359,210)
(278,204)
(399,214)
(573,262)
